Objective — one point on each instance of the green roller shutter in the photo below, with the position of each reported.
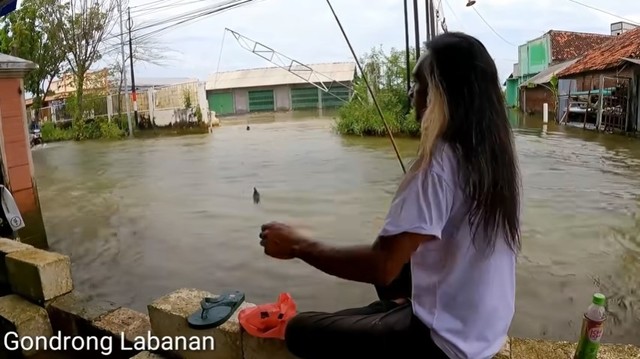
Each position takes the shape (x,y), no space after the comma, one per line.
(336,97)
(261,100)
(304,98)
(221,102)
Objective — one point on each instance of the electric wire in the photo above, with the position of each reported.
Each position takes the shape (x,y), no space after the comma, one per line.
(194,19)
(364,77)
(492,29)
(605,12)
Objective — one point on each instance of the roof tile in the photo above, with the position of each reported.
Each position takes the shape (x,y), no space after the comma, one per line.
(608,55)
(568,45)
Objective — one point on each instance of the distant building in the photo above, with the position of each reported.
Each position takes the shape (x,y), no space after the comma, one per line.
(612,69)
(619,28)
(276,89)
(537,55)
(100,82)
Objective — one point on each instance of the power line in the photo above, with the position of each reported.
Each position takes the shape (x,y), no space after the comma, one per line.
(604,12)
(492,29)
(446,2)
(194,18)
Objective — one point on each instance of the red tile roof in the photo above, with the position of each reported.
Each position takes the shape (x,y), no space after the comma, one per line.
(608,55)
(568,45)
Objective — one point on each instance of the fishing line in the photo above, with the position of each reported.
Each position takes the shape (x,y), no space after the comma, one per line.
(366,82)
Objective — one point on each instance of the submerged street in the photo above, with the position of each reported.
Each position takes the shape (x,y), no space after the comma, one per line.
(142,218)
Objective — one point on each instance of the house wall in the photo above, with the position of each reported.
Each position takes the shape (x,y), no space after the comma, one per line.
(591,80)
(17,163)
(535,98)
(534,56)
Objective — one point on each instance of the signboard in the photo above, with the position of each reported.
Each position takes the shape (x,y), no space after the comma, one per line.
(7,7)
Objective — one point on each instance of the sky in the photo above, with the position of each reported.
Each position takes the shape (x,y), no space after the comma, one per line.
(306,31)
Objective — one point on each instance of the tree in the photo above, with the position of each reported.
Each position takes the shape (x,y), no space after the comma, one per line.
(87,24)
(33,33)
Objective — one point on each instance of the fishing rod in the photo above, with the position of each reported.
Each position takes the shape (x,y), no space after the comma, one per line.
(366,82)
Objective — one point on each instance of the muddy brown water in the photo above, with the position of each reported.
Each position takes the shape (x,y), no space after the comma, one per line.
(142,218)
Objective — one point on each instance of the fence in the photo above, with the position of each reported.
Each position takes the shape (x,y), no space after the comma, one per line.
(604,107)
(161,106)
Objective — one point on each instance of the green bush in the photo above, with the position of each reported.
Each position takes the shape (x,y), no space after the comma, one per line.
(51,133)
(387,77)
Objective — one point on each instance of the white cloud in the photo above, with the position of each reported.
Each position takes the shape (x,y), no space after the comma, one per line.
(306,30)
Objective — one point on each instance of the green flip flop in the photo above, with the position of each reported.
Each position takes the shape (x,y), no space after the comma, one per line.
(215,311)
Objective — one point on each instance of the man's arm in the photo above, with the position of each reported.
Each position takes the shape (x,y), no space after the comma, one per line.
(378,264)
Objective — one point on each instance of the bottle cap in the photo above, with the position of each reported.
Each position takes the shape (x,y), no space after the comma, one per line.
(599,299)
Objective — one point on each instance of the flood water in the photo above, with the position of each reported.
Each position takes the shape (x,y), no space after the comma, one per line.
(142,218)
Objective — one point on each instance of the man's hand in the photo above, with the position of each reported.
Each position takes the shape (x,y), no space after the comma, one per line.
(280,240)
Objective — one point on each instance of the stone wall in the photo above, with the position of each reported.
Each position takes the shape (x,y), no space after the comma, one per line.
(37,300)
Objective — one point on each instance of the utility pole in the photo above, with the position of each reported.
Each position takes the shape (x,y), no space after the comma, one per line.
(416,25)
(123,72)
(432,16)
(427,7)
(133,78)
(406,44)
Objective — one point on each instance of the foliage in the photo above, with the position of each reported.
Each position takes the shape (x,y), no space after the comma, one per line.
(387,75)
(52,133)
(186,96)
(199,114)
(34,33)
(100,128)
(86,24)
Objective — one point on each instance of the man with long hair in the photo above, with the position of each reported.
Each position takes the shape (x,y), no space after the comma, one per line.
(453,229)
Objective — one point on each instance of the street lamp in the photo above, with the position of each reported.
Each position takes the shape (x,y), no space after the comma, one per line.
(471,3)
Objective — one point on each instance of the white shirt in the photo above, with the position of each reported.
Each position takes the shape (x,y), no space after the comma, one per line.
(466,297)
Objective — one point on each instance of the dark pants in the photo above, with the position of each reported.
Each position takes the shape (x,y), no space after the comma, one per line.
(383,329)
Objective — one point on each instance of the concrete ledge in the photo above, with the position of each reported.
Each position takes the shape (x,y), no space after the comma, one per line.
(535,348)
(261,348)
(125,323)
(24,318)
(169,315)
(8,246)
(73,314)
(39,275)
(147,355)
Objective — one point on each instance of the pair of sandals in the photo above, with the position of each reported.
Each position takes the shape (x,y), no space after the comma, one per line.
(216,311)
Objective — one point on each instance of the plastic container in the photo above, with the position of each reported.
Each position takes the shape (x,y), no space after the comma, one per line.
(592,328)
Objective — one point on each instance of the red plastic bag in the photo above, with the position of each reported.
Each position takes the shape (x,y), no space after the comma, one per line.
(268,320)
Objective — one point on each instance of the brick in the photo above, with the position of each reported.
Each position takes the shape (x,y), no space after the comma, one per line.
(20,316)
(39,275)
(73,314)
(8,246)
(169,315)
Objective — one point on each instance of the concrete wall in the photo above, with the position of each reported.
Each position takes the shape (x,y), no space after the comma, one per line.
(283,98)
(241,98)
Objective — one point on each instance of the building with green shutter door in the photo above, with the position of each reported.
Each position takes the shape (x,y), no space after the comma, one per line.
(273,89)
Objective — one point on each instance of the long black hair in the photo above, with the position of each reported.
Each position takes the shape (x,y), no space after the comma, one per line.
(463,77)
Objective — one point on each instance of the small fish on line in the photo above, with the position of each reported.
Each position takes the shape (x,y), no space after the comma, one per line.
(256,196)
